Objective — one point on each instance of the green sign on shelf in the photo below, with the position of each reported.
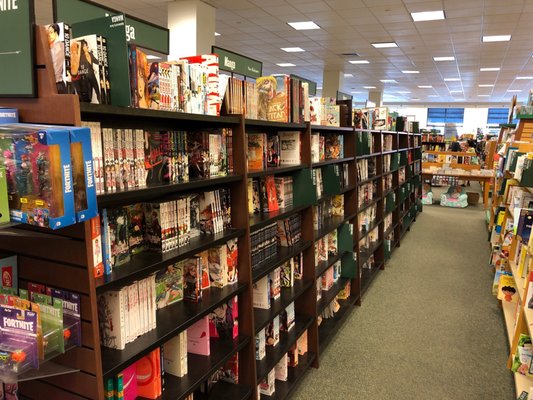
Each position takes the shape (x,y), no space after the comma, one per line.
(17,71)
(142,33)
(238,64)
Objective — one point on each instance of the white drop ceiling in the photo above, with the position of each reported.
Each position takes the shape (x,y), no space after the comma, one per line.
(258,29)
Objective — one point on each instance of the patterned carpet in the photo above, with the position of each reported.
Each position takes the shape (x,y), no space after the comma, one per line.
(428,328)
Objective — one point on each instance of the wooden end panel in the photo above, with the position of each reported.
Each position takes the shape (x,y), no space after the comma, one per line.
(36,390)
(77,383)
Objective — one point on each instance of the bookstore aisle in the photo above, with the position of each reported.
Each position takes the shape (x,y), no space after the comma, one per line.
(429,326)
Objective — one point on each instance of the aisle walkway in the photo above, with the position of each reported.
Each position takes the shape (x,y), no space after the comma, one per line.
(428,328)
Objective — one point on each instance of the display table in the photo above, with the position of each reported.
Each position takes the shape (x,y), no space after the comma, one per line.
(482,179)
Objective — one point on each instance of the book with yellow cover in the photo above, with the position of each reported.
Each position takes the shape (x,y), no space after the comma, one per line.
(507,289)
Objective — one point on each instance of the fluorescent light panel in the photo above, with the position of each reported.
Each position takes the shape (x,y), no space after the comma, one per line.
(410,72)
(217,34)
(369,87)
(348,75)
(514,90)
(444,58)
(456,91)
(304,25)
(428,15)
(388,81)
(404,92)
(528,78)
(452,79)
(425,86)
(485,85)
(286,65)
(292,49)
(496,38)
(359,62)
(384,45)
(492,69)
(483,95)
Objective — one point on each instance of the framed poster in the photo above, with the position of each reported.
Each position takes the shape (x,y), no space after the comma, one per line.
(17,71)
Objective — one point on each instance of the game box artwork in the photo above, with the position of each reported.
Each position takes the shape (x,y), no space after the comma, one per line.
(39,175)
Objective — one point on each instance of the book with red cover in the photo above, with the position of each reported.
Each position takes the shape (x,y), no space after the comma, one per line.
(272,196)
(149,375)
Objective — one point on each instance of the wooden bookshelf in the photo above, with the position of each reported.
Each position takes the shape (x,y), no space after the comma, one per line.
(64,258)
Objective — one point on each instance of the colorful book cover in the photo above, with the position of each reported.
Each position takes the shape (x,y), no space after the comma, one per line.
(192,279)
(156,157)
(271,193)
(198,337)
(169,285)
(232,253)
(272,150)
(149,375)
(218,268)
(507,289)
(256,151)
(136,226)
(278,107)
(222,321)
(85,68)
(118,235)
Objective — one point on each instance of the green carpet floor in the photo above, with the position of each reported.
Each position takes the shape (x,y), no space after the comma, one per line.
(428,328)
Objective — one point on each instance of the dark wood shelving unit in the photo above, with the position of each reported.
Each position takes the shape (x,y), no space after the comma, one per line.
(323,266)
(286,340)
(145,263)
(329,295)
(284,254)
(288,295)
(286,169)
(170,321)
(64,258)
(258,221)
(331,161)
(284,389)
(148,193)
(200,368)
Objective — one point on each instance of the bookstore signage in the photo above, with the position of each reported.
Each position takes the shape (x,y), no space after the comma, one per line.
(236,63)
(16,48)
(142,33)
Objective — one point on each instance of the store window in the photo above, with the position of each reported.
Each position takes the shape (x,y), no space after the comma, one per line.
(497,116)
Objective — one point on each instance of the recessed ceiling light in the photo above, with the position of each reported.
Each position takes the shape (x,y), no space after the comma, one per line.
(483,95)
(444,58)
(485,85)
(384,45)
(456,91)
(292,49)
(428,15)
(369,87)
(452,79)
(425,86)
(496,38)
(286,65)
(348,75)
(304,25)
(528,78)
(404,92)
(217,34)
(489,69)
(514,90)
(388,81)
(410,72)
(152,57)
(359,62)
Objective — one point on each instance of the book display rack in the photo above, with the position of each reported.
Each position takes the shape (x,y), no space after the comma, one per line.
(376,188)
